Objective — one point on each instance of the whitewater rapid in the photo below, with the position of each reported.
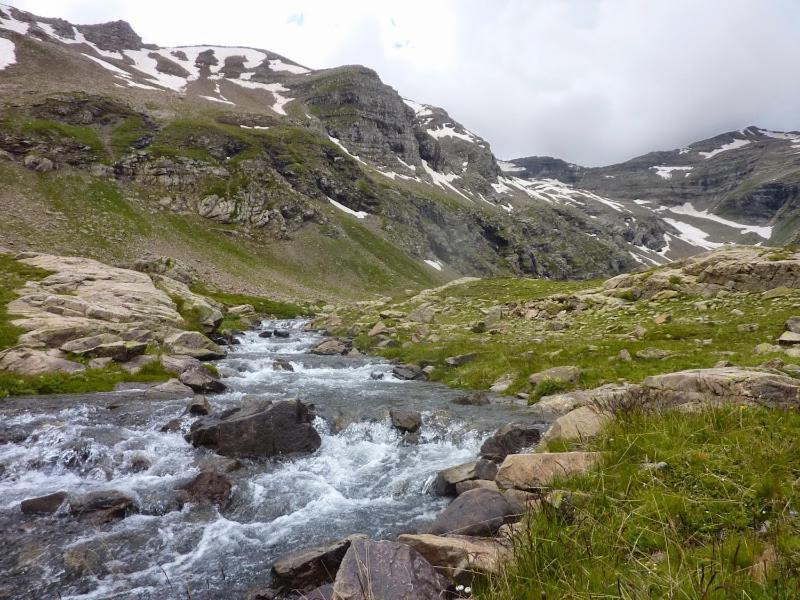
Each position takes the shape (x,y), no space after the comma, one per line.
(363,479)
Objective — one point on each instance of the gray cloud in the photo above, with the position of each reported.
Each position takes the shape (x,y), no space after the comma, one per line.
(592,81)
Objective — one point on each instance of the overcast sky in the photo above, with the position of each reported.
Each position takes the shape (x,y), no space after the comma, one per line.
(590,81)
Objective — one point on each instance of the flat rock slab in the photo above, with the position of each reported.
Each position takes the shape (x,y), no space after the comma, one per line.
(533,471)
(384,570)
(459,557)
(312,567)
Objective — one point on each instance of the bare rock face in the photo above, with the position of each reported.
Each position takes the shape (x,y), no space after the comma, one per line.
(389,571)
(201,380)
(459,557)
(480,512)
(534,471)
(261,429)
(312,567)
(208,311)
(193,344)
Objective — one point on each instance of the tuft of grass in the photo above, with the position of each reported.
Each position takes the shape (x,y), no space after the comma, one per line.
(13,275)
(547,387)
(277,308)
(719,518)
(54,130)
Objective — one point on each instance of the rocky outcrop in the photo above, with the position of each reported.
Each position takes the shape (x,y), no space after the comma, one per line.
(43,504)
(262,429)
(389,571)
(193,344)
(30,363)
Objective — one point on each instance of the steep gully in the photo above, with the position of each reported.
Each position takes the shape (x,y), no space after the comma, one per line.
(363,479)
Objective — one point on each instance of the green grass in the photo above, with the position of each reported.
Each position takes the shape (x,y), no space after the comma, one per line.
(126,133)
(696,528)
(13,275)
(91,380)
(593,340)
(267,306)
(54,130)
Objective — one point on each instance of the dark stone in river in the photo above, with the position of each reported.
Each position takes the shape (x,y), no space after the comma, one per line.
(102,507)
(280,364)
(509,439)
(409,372)
(209,486)
(198,406)
(281,333)
(386,570)
(43,504)
(478,512)
(407,421)
(332,347)
(265,334)
(473,399)
(312,567)
(260,429)
(201,380)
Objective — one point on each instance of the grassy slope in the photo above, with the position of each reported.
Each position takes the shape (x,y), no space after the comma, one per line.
(719,520)
(593,340)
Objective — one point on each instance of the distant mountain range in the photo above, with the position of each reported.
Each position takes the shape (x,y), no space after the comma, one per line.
(329,180)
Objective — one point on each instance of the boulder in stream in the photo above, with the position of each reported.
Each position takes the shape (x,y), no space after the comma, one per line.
(201,380)
(332,347)
(103,506)
(389,571)
(479,512)
(407,421)
(312,567)
(209,486)
(43,504)
(260,429)
(409,372)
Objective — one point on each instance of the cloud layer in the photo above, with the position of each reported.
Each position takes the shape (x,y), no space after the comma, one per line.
(591,81)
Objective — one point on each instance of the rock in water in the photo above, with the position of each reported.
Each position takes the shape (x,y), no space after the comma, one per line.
(209,486)
(509,439)
(312,567)
(201,380)
(386,570)
(407,421)
(261,429)
(43,504)
(409,372)
(480,512)
(102,507)
(332,347)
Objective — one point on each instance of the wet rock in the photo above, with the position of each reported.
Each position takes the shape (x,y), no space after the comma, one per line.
(566,374)
(172,426)
(461,359)
(509,439)
(409,372)
(479,512)
(281,333)
(389,571)
(459,557)
(102,507)
(407,421)
(279,364)
(265,334)
(472,399)
(332,347)
(312,567)
(376,375)
(209,486)
(43,504)
(194,344)
(533,471)
(198,406)
(262,429)
(140,464)
(201,380)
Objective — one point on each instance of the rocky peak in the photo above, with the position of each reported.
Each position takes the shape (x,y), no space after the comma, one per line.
(113,36)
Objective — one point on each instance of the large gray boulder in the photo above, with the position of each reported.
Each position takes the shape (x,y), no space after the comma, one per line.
(459,557)
(373,570)
(28,362)
(535,471)
(206,311)
(479,512)
(332,347)
(201,380)
(260,429)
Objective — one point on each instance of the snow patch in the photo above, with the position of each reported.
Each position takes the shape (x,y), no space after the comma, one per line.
(692,235)
(345,150)
(724,148)
(358,214)
(443,181)
(278,65)
(7,55)
(276,89)
(666,172)
(508,167)
(690,211)
(13,24)
(213,99)
(447,130)
(434,263)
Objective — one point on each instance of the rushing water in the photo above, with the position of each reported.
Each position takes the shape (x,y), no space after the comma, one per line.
(363,479)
